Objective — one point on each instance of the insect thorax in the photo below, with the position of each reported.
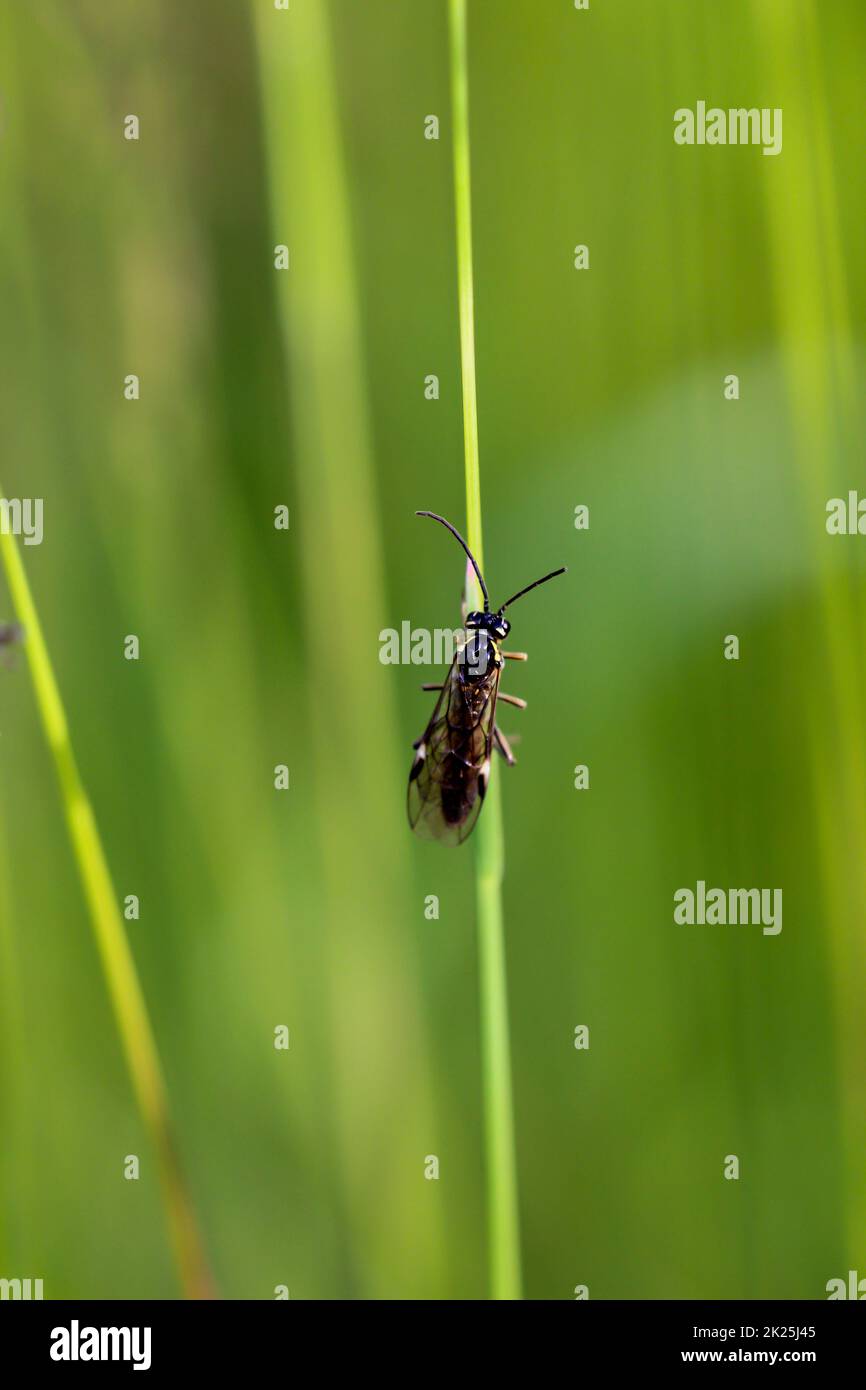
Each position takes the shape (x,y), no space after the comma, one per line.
(478,659)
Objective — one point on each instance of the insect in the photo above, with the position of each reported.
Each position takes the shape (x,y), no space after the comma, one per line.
(451,770)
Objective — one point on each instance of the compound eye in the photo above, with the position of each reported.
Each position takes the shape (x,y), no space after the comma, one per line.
(473,619)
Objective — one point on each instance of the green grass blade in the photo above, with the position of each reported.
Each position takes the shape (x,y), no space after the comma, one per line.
(124,989)
(502,1208)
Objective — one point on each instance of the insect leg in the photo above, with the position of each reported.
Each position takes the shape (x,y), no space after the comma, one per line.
(504,746)
(513,700)
(431,687)
(516,656)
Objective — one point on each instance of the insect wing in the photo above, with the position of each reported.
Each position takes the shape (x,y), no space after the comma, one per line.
(446,790)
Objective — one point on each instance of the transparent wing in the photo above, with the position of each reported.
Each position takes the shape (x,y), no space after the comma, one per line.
(449,775)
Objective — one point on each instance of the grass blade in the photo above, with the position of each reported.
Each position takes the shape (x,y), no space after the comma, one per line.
(124,989)
(502,1209)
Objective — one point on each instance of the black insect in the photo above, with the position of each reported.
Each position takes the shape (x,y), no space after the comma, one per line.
(452,757)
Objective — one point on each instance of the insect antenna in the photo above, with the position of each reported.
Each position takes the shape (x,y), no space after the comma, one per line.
(456,533)
(521,592)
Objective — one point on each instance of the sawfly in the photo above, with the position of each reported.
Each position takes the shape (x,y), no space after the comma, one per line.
(451,769)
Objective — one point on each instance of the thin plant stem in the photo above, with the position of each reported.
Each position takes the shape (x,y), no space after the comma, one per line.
(501,1167)
(124,989)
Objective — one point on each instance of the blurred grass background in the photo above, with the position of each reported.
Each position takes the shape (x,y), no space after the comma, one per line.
(260,647)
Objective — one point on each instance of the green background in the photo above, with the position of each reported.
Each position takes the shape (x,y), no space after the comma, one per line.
(259,647)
